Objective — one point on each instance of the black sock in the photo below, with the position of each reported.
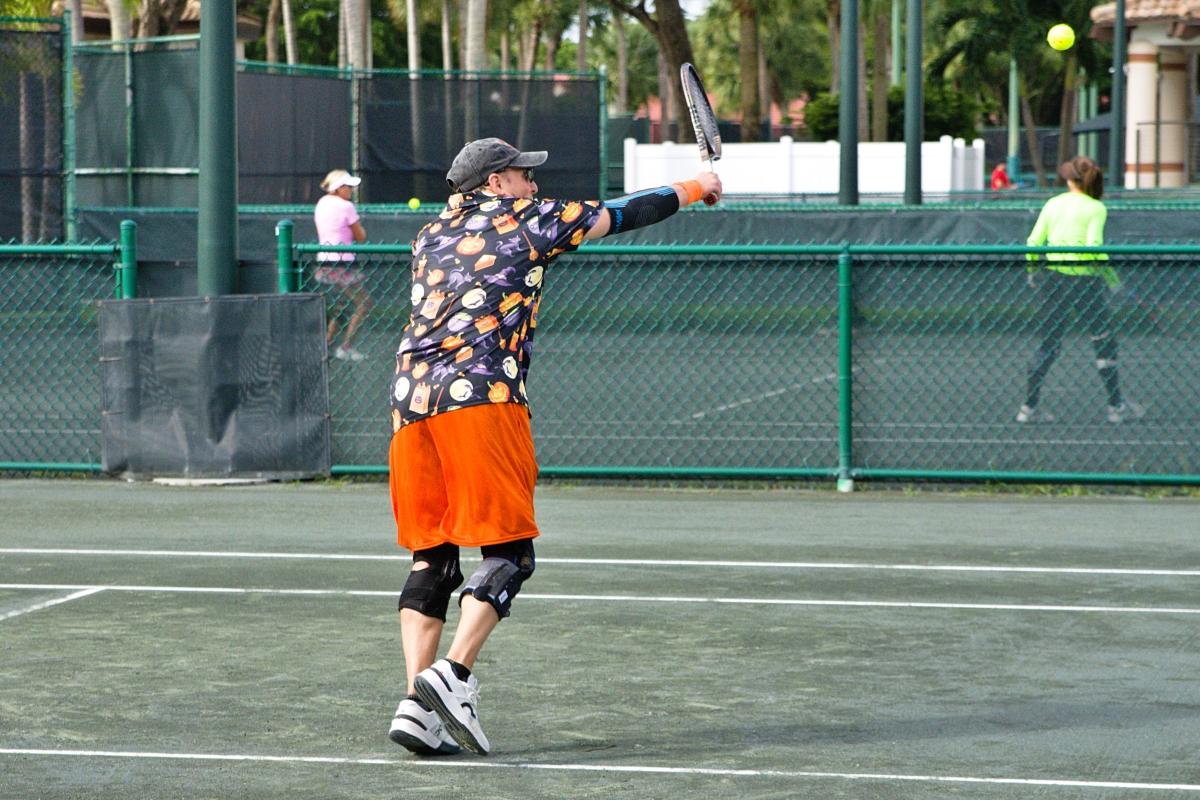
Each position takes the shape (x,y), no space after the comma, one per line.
(419,702)
(460,671)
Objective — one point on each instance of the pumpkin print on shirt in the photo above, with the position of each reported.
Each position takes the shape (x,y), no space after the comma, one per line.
(477,277)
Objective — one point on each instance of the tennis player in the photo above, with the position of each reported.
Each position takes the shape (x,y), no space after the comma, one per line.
(462,465)
(1079,282)
(337,222)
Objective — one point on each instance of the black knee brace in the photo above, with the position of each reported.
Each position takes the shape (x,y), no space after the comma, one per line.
(428,590)
(505,567)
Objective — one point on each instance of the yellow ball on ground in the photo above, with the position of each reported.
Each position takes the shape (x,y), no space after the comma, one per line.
(1061,36)
(414,203)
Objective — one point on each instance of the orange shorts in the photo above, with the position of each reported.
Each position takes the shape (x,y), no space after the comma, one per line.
(464,477)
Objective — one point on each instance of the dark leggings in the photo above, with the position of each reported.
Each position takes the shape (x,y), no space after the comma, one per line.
(1087,296)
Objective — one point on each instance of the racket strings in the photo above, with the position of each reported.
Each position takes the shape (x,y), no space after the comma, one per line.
(704,121)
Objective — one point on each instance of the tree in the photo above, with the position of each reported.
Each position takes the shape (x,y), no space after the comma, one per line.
(118,19)
(968,56)
(948,112)
(159,17)
(879,12)
(748,69)
(667,25)
(37,77)
(634,51)
(794,52)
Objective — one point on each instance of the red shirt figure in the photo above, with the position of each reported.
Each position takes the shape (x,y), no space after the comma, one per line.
(1000,179)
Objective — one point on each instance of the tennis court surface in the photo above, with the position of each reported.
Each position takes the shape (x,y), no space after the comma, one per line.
(160,642)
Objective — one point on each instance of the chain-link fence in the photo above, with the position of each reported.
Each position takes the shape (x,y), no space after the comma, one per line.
(863,361)
(734,361)
(49,353)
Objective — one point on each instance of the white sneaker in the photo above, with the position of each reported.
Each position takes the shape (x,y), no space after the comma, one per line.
(1126,412)
(456,702)
(348,354)
(420,730)
(1033,414)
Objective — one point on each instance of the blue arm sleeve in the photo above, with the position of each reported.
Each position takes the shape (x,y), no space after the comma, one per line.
(642,208)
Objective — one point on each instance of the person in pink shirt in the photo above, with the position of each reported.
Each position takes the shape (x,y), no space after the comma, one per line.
(338,223)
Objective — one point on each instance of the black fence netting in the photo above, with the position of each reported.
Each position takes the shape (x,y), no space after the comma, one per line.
(292,130)
(413,126)
(138,115)
(31,124)
(137,123)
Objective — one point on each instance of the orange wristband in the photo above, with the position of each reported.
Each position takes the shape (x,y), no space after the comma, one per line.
(694,192)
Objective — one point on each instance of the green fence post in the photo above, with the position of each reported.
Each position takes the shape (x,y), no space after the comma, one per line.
(130,130)
(128,283)
(283,255)
(845,483)
(68,130)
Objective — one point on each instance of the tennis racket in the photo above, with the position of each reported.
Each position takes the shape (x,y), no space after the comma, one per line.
(704,122)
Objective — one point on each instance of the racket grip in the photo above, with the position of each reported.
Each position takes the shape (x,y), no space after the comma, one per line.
(710,199)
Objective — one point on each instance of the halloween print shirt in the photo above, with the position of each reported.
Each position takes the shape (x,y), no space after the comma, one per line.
(477,276)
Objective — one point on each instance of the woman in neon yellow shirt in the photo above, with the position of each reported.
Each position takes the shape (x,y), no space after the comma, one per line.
(1074,281)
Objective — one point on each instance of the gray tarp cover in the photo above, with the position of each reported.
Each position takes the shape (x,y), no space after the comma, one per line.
(215,387)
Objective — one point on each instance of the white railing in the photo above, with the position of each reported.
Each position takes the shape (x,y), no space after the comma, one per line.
(790,167)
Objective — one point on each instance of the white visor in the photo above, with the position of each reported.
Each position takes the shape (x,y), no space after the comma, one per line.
(343,180)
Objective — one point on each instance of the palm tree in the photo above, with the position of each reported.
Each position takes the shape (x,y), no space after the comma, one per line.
(748,51)
(667,25)
(37,77)
(879,12)
(969,57)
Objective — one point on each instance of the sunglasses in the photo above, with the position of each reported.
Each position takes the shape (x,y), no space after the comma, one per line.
(526,173)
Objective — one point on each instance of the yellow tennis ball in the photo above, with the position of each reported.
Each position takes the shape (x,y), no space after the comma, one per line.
(1061,37)
(414,203)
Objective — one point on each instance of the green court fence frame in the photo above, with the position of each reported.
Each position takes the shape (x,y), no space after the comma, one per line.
(845,472)
(833,265)
(120,256)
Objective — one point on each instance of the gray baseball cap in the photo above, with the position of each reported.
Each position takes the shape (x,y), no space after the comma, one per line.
(482,157)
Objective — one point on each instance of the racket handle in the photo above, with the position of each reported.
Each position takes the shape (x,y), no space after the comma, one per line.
(710,199)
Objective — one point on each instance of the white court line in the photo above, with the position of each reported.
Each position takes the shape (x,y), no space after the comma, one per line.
(608,768)
(49,603)
(828,377)
(624,562)
(629,598)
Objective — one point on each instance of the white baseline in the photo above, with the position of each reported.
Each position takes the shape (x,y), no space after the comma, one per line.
(607,768)
(624,562)
(628,598)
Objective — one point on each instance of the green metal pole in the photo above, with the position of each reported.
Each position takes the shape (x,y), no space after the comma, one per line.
(355,145)
(848,106)
(897,62)
(128,282)
(1116,137)
(914,106)
(283,255)
(845,483)
(1014,122)
(130,198)
(217,234)
(68,131)
(603,132)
